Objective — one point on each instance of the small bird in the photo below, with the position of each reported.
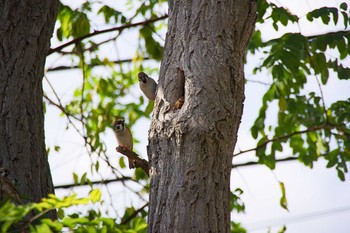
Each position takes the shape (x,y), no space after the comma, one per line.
(179,102)
(148,86)
(124,136)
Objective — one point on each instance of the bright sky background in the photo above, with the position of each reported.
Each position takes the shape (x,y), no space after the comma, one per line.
(318,201)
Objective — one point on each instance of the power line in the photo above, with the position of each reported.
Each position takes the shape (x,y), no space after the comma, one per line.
(294,219)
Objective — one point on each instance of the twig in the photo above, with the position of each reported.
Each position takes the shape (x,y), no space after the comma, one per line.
(60,107)
(78,39)
(133,215)
(311,129)
(91,48)
(59,68)
(121,179)
(252,163)
(135,158)
(257,81)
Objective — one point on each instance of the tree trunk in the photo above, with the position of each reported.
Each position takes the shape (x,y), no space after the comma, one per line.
(25,31)
(190,149)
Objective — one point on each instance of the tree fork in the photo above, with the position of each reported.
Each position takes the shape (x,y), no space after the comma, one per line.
(191,148)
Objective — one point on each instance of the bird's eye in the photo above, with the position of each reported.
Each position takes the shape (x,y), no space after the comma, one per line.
(118,127)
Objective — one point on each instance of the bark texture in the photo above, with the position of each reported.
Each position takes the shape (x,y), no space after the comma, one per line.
(190,149)
(25,31)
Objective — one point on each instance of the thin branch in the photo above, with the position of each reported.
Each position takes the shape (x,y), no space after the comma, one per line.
(82,59)
(59,68)
(133,215)
(318,83)
(95,33)
(135,158)
(259,82)
(91,48)
(126,178)
(253,163)
(60,107)
(311,129)
(121,179)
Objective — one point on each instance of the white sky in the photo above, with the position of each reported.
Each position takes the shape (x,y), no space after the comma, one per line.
(318,201)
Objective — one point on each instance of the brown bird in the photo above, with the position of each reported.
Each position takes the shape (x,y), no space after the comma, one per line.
(124,136)
(179,102)
(147,85)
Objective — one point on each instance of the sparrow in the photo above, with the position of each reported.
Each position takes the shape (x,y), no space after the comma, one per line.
(148,86)
(7,189)
(124,136)
(179,102)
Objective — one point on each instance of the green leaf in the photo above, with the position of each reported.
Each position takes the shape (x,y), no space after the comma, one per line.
(283,200)
(154,49)
(237,228)
(95,195)
(140,174)
(97,166)
(122,162)
(282,230)
(76,178)
(81,26)
(83,178)
(42,228)
(57,148)
(60,213)
(262,7)
(54,226)
(341,175)
(109,13)
(236,202)
(345,19)
(344,6)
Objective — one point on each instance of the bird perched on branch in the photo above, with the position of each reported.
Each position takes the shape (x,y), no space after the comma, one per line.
(124,136)
(148,85)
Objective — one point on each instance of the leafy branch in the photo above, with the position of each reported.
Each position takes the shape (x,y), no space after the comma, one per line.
(283,137)
(98,32)
(133,215)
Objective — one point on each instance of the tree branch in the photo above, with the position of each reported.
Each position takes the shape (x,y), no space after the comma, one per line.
(121,179)
(126,178)
(252,163)
(344,32)
(134,158)
(95,33)
(59,68)
(311,129)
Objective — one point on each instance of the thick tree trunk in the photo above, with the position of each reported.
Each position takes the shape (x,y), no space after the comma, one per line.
(191,149)
(25,31)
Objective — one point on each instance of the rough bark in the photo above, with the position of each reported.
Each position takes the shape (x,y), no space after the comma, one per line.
(190,149)
(25,31)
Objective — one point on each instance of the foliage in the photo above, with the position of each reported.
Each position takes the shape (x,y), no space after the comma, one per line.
(310,127)
(13,217)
